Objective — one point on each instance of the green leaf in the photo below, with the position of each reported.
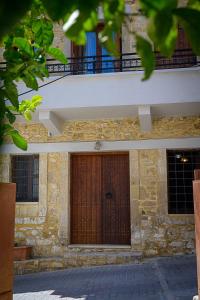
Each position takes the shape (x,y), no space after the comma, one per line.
(12,108)
(91,22)
(11,92)
(39,73)
(144,49)
(15,68)
(77,34)
(27,115)
(43,32)
(24,45)
(108,39)
(59,8)
(26,107)
(12,56)
(18,140)
(57,54)
(194,4)
(7,128)
(30,80)
(10,116)
(2,106)
(163,32)
(151,7)
(12,12)
(190,20)
(36,99)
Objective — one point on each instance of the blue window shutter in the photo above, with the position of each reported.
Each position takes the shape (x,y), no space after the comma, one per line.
(107,63)
(90,50)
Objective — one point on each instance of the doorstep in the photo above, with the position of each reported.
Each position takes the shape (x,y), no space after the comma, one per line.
(76,259)
(98,246)
(86,259)
(38,265)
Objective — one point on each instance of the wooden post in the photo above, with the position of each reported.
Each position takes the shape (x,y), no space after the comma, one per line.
(7,218)
(196,195)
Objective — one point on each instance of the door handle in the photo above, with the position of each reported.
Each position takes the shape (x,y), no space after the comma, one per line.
(108,195)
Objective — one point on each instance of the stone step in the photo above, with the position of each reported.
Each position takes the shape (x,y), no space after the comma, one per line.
(72,259)
(101,258)
(38,265)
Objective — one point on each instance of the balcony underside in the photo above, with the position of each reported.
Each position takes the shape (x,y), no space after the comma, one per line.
(169,92)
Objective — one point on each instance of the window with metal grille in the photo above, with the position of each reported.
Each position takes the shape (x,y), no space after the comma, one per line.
(25,173)
(181,166)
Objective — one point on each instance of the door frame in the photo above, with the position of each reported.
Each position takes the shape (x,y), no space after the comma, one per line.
(70,195)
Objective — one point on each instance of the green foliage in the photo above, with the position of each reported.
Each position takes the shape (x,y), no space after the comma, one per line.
(11,13)
(195,4)
(43,32)
(18,139)
(26,49)
(11,92)
(163,20)
(163,32)
(57,54)
(144,49)
(190,20)
(23,45)
(28,106)
(114,15)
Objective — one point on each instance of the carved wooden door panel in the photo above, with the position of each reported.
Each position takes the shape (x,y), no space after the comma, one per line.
(115,199)
(100,205)
(85,199)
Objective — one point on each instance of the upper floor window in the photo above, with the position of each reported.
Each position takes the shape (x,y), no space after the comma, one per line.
(181,166)
(183,55)
(93,58)
(25,173)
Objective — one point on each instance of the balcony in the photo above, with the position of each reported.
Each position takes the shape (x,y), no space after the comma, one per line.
(127,62)
(105,87)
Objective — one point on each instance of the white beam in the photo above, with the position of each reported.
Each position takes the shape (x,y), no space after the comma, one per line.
(51,121)
(181,143)
(144,113)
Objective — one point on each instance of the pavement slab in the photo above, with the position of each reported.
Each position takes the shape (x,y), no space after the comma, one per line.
(166,278)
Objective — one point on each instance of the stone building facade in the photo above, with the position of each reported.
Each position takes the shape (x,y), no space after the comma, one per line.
(45,224)
(175,125)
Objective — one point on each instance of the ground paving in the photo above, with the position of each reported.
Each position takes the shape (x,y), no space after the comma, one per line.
(166,278)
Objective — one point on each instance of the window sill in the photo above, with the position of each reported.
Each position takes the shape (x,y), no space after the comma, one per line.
(29,203)
(181,215)
(181,219)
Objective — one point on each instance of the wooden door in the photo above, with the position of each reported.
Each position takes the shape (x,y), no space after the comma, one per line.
(100,209)
(85,199)
(115,199)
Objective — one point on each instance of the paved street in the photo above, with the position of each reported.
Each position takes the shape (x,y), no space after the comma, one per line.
(156,279)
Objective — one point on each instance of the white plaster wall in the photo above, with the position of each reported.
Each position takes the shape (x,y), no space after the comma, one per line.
(116,89)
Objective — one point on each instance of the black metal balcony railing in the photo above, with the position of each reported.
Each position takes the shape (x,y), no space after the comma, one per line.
(182,58)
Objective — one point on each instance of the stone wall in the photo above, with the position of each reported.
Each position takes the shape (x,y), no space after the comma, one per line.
(37,224)
(153,230)
(46,225)
(113,129)
(45,233)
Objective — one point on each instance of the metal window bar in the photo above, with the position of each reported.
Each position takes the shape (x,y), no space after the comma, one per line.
(181,165)
(25,173)
(182,58)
